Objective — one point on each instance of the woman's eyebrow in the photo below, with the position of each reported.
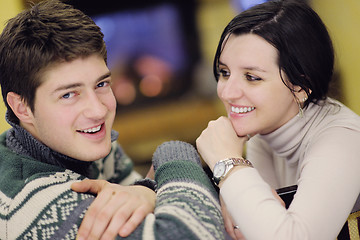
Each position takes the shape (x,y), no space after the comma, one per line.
(254,68)
(250,68)
(221,63)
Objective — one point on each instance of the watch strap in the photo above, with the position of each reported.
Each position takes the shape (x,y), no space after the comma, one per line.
(241,162)
(230,164)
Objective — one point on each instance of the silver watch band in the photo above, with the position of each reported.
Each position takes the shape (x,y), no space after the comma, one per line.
(228,164)
(241,162)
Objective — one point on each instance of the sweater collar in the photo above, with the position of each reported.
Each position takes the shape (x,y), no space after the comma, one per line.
(286,140)
(22,142)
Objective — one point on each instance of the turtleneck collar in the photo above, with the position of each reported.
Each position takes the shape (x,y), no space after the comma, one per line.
(287,139)
(22,142)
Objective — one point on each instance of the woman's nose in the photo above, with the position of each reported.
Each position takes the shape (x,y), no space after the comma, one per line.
(230,89)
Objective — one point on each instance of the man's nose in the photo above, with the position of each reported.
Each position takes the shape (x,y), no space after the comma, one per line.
(95,108)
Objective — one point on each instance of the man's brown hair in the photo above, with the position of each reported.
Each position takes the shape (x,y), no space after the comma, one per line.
(48,33)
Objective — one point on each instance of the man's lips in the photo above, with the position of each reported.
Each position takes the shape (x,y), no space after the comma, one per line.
(91,130)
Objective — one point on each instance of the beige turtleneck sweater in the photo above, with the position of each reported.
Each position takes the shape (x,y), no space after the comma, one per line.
(320,152)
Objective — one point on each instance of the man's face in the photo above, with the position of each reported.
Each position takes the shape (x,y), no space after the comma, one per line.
(75,109)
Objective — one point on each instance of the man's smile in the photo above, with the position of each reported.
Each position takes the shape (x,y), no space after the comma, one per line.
(91,130)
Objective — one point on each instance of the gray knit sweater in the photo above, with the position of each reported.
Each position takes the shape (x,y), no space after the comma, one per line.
(36,201)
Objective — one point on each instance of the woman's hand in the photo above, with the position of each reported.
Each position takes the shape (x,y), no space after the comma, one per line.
(230,228)
(116,209)
(234,233)
(219,141)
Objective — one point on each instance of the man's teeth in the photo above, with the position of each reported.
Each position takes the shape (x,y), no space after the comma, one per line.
(92,130)
(242,109)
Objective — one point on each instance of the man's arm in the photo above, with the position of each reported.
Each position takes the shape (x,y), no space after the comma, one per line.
(187,205)
(117,209)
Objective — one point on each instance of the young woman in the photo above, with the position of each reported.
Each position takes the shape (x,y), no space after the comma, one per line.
(273,64)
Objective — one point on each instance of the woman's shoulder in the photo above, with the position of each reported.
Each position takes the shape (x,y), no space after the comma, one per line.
(332,113)
(333,120)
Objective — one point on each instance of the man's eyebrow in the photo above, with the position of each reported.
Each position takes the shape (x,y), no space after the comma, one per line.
(106,75)
(67,86)
(75,85)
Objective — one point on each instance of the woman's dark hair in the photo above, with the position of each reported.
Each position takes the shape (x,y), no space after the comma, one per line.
(305,51)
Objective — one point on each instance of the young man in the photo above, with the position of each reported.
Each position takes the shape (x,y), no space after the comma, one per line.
(56,87)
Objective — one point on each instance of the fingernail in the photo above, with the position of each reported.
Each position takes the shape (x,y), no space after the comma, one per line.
(124,232)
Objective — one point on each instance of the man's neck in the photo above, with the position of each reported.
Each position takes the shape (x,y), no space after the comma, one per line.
(22,142)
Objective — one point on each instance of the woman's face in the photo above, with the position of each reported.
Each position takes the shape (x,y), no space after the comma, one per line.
(250,86)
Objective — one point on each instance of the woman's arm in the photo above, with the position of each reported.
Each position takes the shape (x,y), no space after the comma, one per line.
(328,186)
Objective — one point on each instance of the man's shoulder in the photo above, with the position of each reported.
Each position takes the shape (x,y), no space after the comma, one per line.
(42,188)
(16,170)
(45,203)
(3,139)
(39,181)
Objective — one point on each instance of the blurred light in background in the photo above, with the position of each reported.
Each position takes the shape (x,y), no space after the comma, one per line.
(242,5)
(151,45)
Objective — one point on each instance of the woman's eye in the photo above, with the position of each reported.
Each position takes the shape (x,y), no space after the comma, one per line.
(68,95)
(252,78)
(224,73)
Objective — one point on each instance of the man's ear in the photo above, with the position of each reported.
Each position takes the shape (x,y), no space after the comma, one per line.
(19,107)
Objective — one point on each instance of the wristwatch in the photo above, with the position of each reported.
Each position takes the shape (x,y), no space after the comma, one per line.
(222,167)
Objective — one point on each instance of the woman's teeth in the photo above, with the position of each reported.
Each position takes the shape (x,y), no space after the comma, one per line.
(241,109)
(92,130)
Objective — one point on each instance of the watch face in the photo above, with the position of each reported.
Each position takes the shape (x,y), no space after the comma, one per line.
(219,169)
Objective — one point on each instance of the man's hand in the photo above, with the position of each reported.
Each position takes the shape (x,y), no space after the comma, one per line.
(151,173)
(116,209)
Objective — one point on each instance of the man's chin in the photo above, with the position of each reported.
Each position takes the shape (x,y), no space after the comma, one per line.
(92,156)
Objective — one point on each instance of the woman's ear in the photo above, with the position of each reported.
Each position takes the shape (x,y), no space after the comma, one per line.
(300,94)
(19,107)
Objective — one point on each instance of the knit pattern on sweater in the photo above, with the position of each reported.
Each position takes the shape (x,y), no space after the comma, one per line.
(42,209)
(36,202)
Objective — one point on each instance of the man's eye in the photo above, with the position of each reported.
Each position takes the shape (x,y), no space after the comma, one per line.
(252,78)
(103,84)
(68,95)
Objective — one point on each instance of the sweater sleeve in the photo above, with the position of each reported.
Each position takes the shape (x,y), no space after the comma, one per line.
(187,204)
(328,187)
